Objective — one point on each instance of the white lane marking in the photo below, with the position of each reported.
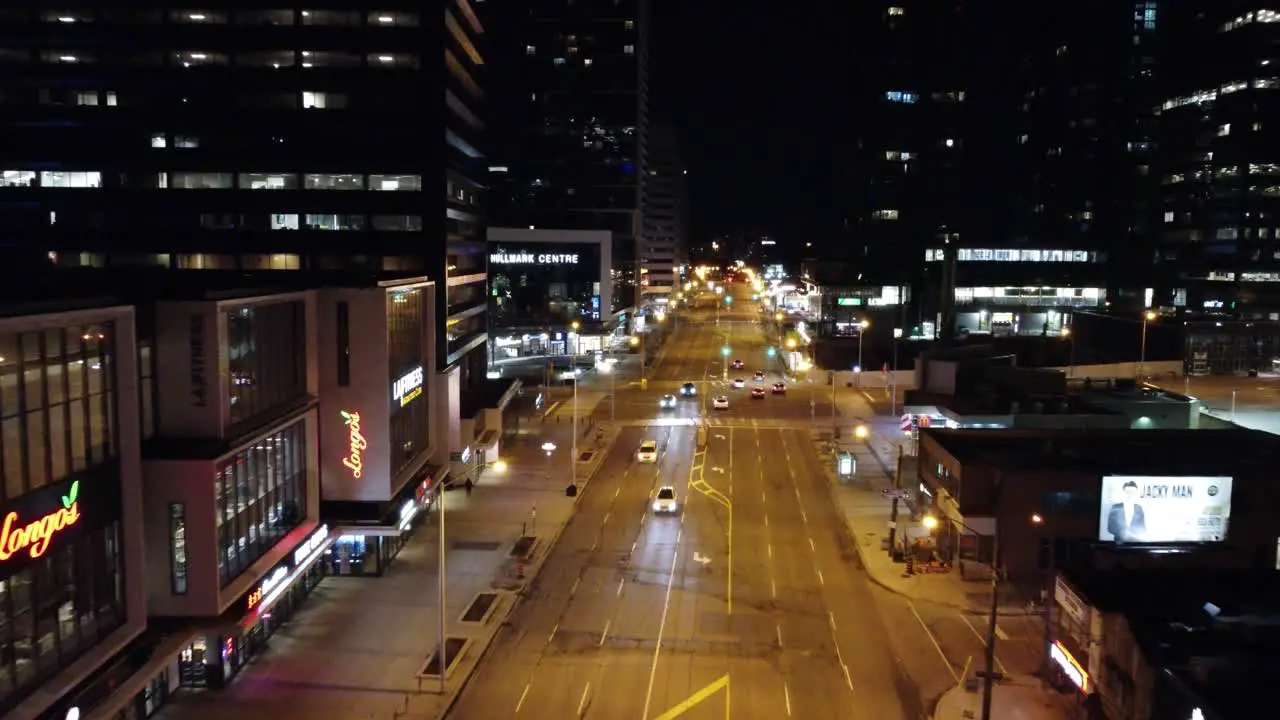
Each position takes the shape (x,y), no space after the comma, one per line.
(594,544)
(933,640)
(1000,633)
(831,618)
(797,492)
(615,492)
(848,679)
(574,589)
(821,580)
(606,518)
(679,533)
(779,629)
(605,634)
(803,516)
(812,546)
(523,695)
(773,588)
(620,581)
(770,549)
(582,703)
(762,499)
(552,636)
(982,639)
(766,520)
(662,626)
(786,696)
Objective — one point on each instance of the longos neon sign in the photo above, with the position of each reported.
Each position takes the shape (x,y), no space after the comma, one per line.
(35,536)
(354,461)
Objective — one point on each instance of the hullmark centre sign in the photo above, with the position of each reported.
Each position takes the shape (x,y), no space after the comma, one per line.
(527,258)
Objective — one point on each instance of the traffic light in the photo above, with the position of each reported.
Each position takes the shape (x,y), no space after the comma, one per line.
(728,299)
(773,352)
(726,350)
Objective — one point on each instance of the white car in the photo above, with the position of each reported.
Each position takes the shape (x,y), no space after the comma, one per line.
(739,383)
(648,452)
(721,402)
(667,402)
(664,501)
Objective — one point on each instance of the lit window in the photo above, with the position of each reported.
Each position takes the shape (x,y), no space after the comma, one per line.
(628,49)
(949,142)
(86,97)
(17,178)
(396,60)
(629,24)
(587,62)
(1022,139)
(1224,129)
(885,214)
(111,98)
(388,18)
(558,61)
(1168,216)
(333,181)
(186,141)
(192,58)
(63,179)
(268,181)
(197,17)
(897,11)
(158,140)
(900,96)
(530,50)
(395,182)
(323,100)
(199,181)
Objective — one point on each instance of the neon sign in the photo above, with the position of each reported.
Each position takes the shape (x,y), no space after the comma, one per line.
(267,586)
(355,456)
(408,387)
(527,258)
(1070,667)
(310,545)
(35,536)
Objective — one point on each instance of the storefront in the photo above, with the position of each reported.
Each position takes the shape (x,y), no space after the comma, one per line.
(369,550)
(212,659)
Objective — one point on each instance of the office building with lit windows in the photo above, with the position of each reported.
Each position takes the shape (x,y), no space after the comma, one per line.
(570,123)
(665,217)
(219,136)
(72,576)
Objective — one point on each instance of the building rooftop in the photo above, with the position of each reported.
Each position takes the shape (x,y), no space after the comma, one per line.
(45,290)
(1143,452)
(1214,631)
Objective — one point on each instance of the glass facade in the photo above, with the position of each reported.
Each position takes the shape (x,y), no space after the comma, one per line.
(266,352)
(57,404)
(56,608)
(408,424)
(544,284)
(260,496)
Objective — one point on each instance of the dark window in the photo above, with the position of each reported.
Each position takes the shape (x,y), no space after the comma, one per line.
(57,404)
(147,390)
(344,344)
(266,353)
(178,547)
(260,496)
(53,611)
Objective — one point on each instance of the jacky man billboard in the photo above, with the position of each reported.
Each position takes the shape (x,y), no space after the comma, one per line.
(1159,509)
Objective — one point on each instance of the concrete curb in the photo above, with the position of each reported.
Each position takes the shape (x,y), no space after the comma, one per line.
(456,693)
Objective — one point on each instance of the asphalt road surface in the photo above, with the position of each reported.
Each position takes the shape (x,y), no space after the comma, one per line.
(751,595)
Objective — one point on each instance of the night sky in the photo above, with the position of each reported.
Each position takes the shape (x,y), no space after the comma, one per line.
(753,89)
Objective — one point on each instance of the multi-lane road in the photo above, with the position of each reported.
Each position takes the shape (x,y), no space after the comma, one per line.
(752,596)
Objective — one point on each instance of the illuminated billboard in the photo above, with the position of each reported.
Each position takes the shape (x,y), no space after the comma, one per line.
(1158,509)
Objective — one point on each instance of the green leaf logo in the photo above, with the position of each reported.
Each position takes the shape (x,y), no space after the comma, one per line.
(70,498)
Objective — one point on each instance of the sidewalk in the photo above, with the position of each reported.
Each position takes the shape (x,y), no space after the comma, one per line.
(1017,698)
(357,648)
(866,511)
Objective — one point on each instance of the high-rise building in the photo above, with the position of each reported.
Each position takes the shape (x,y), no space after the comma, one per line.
(236,138)
(665,215)
(570,122)
(1219,238)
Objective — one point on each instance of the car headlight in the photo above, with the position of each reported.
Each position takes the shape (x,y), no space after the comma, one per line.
(657,506)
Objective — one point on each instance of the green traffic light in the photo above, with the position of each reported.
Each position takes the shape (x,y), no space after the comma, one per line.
(725,351)
(728,299)
(773,352)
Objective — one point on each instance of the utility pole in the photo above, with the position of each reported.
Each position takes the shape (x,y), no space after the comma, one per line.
(573,457)
(994,614)
(443,661)
(835,429)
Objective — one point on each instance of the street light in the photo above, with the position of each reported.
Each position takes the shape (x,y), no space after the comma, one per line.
(861,433)
(862,328)
(931,522)
(1147,317)
(724,357)
(791,343)
(1071,357)
(573,329)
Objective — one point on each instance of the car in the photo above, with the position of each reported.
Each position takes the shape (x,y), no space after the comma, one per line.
(664,501)
(721,402)
(739,383)
(757,393)
(667,402)
(779,388)
(737,365)
(688,389)
(759,376)
(648,452)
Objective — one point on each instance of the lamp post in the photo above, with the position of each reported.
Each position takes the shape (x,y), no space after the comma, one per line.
(440,587)
(573,457)
(994,615)
(862,328)
(577,343)
(1147,317)
(1071,351)
(1051,538)
(724,361)
(548,448)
